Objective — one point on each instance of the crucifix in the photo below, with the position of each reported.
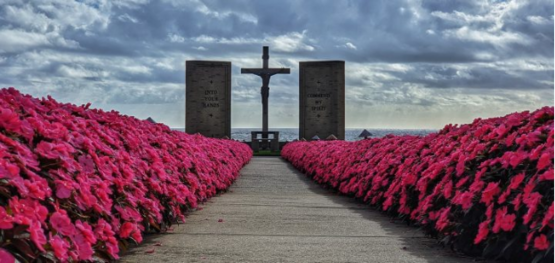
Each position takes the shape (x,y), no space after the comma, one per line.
(265,73)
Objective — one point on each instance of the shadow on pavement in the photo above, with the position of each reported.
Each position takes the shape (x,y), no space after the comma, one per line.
(414,240)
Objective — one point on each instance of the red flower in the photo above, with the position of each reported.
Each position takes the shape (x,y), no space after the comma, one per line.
(548,218)
(465,200)
(489,211)
(547,175)
(545,160)
(443,220)
(517,158)
(516,202)
(503,220)
(541,242)
(490,192)
(483,232)
(447,189)
(516,180)
(532,201)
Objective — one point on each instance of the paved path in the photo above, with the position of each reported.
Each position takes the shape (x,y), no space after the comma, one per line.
(275,214)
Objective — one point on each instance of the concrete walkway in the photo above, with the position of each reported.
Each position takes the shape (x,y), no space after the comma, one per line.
(273,213)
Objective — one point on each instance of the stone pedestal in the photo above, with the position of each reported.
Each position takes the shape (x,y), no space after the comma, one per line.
(208,98)
(322,99)
(264,142)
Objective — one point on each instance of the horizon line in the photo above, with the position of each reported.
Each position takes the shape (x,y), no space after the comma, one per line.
(257,128)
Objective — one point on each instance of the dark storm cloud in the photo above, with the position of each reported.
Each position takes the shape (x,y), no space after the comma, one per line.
(133,51)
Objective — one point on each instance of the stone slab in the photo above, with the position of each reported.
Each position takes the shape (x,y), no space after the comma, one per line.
(208,98)
(322,99)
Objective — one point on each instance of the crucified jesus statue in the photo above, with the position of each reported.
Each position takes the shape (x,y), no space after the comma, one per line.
(265,73)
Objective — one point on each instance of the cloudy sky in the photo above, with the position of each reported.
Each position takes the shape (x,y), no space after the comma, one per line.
(409,64)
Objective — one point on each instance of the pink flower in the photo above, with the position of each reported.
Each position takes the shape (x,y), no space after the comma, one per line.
(103,230)
(112,247)
(63,189)
(460,166)
(9,120)
(61,223)
(6,257)
(38,189)
(535,153)
(60,247)
(27,210)
(37,235)
(84,248)
(128,213)
(8,170)
(54,150)
(86,230)
(541,242)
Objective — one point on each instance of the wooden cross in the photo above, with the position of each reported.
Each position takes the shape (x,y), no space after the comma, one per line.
(265,73)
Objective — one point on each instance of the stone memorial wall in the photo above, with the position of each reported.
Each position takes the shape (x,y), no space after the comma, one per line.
(208,98)
(322,99)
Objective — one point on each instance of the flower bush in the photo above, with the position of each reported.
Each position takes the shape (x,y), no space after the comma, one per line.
(484,188)
(77,183)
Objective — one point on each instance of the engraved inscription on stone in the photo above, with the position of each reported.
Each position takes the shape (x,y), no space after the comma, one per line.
(208,98)
(322,99)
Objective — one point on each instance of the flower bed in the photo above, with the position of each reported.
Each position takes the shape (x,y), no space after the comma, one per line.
(78,183)
(484,188)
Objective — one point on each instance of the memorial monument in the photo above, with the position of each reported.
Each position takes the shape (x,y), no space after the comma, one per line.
(322,99)
(265,73)
(208,98)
